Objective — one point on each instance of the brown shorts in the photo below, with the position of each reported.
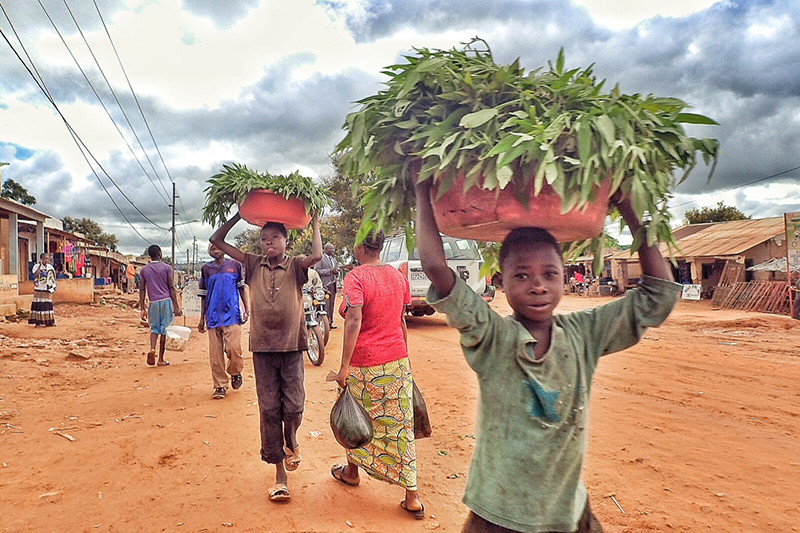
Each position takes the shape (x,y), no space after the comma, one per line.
(475,524)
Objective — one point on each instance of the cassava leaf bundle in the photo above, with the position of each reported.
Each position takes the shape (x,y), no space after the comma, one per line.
(456,112)
(230,187)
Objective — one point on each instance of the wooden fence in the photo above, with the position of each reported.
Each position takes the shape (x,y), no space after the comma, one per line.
(761,296)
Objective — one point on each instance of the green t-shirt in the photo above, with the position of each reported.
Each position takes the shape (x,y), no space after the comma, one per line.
(532,415)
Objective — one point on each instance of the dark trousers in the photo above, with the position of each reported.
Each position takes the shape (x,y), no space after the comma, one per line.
(330,307)
(281,396)
(475,524)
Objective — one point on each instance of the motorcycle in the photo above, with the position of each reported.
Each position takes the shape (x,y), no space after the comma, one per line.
(321,297)
(316,338)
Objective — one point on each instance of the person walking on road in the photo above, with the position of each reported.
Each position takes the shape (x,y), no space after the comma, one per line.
(156,283)
(277,340)
(220,287)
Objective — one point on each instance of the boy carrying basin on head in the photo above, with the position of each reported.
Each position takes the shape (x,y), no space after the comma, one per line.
(535,370)
(277,340)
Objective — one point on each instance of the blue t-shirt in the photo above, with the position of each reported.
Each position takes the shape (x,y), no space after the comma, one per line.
(219,289)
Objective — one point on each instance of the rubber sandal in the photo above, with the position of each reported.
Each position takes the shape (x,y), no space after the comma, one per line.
(151,358)
(337,470)
(419,514)
(292,459)
(279,493)
(163,363)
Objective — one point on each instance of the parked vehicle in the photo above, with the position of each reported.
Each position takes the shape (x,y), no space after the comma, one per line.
(462,255)
(316,341)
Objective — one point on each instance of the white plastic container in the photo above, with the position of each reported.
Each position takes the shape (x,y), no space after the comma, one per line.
(177,337)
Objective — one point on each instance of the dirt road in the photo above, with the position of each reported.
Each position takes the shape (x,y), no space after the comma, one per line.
(695,429)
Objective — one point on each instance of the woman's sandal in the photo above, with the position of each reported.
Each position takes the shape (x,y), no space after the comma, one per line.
(337,471)
(419,514)
(292,459)
(279,493)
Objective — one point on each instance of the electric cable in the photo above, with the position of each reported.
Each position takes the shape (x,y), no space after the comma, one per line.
(113,93)
(135,98)
(99,99)
(744,184)
(76,138)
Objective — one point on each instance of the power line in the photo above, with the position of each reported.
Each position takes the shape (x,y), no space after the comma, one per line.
(99,99)
(75,137)
(113,93)
(135,98)
(759,180)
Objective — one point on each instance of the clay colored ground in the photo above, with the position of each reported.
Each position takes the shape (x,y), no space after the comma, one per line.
(697,428)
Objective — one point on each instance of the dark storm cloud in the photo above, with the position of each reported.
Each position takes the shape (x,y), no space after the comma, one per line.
(224,14)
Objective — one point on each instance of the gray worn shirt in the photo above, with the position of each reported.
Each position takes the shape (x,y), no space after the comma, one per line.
(327,269)
(532,415)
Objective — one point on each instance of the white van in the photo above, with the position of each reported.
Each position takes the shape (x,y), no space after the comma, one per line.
(462,255)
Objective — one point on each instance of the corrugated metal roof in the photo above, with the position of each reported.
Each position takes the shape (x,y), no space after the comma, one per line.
(721,238)
(730,238)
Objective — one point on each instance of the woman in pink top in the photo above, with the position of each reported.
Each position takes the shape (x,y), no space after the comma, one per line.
(377,372)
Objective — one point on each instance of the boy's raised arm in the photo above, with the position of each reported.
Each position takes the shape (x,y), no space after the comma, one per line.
(650,259)
(218,239)
(429,244)
(316,244)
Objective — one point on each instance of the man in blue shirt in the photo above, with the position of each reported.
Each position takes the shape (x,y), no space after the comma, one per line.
(221,285)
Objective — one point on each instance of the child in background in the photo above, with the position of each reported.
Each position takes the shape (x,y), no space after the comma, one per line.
(156,283)
(535,370)
(277,340)
(220,287)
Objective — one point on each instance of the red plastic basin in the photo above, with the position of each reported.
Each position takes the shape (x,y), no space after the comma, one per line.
(262,206)
(483,215)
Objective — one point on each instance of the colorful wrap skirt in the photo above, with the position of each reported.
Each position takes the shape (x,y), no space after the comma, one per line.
(42,309)
(386,391)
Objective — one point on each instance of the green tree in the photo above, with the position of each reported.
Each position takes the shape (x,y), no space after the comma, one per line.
(720,213)
(340,224)
(92,230)
(14,191)
(249,241)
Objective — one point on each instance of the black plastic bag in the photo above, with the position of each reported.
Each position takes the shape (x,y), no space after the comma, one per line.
(350,422)
(422,423)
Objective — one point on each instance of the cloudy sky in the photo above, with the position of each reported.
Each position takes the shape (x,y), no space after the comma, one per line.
(268,83)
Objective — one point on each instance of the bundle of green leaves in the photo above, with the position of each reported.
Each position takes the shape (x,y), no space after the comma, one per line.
(231,186)
(456,112)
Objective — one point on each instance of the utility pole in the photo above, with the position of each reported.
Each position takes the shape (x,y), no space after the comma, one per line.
(194,252)
(187,261)
(174,262)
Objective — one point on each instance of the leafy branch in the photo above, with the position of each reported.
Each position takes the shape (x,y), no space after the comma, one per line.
(231,186)
(457,113)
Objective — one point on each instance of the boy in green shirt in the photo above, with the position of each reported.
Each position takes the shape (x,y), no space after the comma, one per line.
(535,370)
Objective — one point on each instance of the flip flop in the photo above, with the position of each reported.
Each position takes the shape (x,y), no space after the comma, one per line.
(163,363)
(292,459)
(279,493)
(419,514)
(151,358)
(337,470)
